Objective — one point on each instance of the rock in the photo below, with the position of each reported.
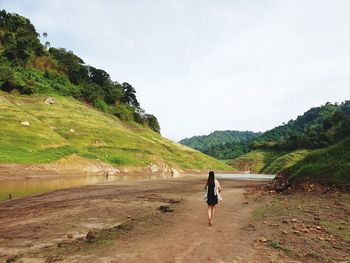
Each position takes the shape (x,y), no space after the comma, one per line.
(318,227)
(153,168)
(284,221)
(246,202)
(296,232)
(118,225)
(72,130)
(294,220)
(282,242)
(25,123)
(321,238)
(278,184)
(249,227)
(49,101)
(112,171)
(165,209)
(174,201)
(174,173)
(28,243)
(129,216)
(284,231)
(52,258)
(11,259)
(70,236)
(90,236)
(305,230)
(262,239)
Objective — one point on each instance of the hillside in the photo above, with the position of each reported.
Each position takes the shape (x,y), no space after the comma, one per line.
(29,67)
(56,108)
(222,144)
(313,147)
(319,127)
(330,165)
(69,127)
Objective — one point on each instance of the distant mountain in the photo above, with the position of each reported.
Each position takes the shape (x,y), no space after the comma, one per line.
(316,128)
(222,144)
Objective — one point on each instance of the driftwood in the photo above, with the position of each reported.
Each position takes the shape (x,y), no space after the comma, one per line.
(278,184)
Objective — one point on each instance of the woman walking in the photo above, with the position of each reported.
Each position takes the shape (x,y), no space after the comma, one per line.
(213,189)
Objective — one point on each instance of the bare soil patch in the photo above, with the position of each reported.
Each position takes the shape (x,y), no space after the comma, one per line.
(165,220)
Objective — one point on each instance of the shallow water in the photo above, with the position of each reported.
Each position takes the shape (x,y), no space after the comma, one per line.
(24,187)
(248,177)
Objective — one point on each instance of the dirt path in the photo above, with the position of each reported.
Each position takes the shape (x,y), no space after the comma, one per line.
(186,237)
(128,227)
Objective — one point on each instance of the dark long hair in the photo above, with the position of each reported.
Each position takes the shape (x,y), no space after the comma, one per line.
(211,179)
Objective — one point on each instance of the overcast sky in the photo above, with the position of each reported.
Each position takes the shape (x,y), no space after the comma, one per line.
(206,65)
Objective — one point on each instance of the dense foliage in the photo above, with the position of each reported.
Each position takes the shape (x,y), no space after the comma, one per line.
(319,127)
(27,67)
(314,147)
(222,144)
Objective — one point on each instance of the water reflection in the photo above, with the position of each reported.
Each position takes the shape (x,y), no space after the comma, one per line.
(24,187)
(249,177)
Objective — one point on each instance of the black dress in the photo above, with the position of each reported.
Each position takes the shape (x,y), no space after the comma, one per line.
(212,198)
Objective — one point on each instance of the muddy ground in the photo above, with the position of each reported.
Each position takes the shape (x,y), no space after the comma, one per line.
(166,221)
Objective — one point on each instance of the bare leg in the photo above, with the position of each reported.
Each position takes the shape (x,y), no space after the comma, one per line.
(209,214)
(212,214)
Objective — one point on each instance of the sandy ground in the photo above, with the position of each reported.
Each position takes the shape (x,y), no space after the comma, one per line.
(52,227)
(126,225)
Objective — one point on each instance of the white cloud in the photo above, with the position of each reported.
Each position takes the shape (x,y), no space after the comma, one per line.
(200,66)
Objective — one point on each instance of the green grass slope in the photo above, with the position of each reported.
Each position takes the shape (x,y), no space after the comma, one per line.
(329,165)
(267,161)
(285,161)
(255,161)
(71,127)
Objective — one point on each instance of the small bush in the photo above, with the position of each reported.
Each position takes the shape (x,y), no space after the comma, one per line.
(124,112)
(100,105)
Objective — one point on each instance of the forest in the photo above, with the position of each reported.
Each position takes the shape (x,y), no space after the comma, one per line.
(317,128)
(222,145)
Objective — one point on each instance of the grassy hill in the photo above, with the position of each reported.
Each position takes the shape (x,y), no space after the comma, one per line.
(313,147)
(267,161)
(93,116)
(71,127)
(330,165)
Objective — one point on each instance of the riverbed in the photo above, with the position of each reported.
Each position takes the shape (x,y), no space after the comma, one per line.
(29,186)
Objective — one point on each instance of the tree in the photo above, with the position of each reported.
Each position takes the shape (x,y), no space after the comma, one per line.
(152,122)
(98,76)
(72,64)
(129,96)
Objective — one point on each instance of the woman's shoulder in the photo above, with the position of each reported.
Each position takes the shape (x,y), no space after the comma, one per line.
(216,181)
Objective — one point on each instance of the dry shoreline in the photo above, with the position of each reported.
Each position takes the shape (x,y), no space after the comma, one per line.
(165,220)
(56,223)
